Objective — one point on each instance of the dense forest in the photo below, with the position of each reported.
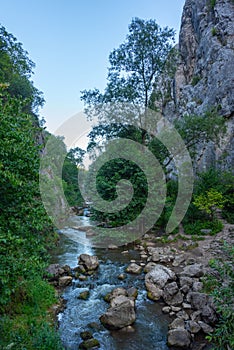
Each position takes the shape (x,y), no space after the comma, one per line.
(26,232)
(134,84)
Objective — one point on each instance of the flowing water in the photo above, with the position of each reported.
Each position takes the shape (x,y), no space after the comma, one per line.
(150,328)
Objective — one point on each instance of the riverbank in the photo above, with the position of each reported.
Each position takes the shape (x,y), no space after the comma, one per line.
(181,302)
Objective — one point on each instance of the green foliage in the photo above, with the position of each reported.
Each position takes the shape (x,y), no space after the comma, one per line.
(16,69)
(209,201)
(201,129)
(195,80)
(134,66)
(214,31)
(70,176)
(213,188)
(27,333)
(222,182)
(194,228)
(25,230)
(108,177)
(30,326)
(212,3)
(222,291)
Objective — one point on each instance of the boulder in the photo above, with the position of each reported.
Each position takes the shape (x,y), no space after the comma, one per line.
(179,259)
(193,327)
(65,281)
(54,271)
(185,281)
(195,270)
(203,303)
(172,295)
(166,309)
(89,262)
(156,279)
(118,300)
(182,314)
(177,323)
(90,344)
(117,292)
(132,292)
(197,286)
(119,316)
(86,335)
(205,327)
(197,300)
(179,337)
(84,295)
(149,267)
(67,270)
(134,268)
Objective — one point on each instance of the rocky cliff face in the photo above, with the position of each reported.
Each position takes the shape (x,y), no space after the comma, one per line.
(204,76)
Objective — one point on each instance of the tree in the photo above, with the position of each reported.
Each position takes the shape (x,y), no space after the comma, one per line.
(127,107)
(134,67)
(71,165)
(16,69)
(209,202)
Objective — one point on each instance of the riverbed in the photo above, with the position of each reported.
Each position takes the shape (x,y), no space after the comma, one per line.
(151,326)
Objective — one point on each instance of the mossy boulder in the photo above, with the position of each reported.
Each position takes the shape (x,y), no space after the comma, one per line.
(89,344)
(84,295)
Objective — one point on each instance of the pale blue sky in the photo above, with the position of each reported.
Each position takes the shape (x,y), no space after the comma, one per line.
(70,41)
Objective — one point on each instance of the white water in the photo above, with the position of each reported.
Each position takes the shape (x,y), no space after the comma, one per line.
(150,326)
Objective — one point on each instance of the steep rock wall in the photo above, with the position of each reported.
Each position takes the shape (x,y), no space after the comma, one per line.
(204,76)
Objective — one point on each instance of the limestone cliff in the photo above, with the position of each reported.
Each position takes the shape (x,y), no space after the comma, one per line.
(205,72)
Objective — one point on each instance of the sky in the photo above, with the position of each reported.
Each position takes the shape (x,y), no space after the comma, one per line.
(70,41)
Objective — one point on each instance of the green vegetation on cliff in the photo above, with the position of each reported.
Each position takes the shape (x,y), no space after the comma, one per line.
(25,230)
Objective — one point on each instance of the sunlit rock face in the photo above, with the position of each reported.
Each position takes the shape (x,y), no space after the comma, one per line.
(204,75)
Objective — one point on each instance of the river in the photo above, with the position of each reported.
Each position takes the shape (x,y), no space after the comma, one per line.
(150,328)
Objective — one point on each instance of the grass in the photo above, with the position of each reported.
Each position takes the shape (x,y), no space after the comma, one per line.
(30,326)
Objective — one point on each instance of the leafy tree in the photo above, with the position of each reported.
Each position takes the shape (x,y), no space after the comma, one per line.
(71,165)
(135,73)
(25,229)
(134,67)
(16,69)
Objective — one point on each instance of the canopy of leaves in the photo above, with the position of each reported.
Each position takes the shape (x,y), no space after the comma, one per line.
(16,70)
(134,66)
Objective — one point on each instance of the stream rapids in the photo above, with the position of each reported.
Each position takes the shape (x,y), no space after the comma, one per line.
(151,326)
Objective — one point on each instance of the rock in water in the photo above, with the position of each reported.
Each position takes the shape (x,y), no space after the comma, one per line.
(134,268)
(84,295)
(89,262)
(90,344)
(121,315)
(65,281)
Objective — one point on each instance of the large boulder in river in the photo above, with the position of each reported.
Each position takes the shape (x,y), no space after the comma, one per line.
(156,279)
(179,337)
(89,262)
(120,314)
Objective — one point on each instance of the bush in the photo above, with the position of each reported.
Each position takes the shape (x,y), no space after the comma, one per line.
(222,290)
(196,227)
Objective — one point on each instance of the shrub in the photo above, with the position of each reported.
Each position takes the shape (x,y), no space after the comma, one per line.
(222,290)
(196,227)
(195,80)
(209,201)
